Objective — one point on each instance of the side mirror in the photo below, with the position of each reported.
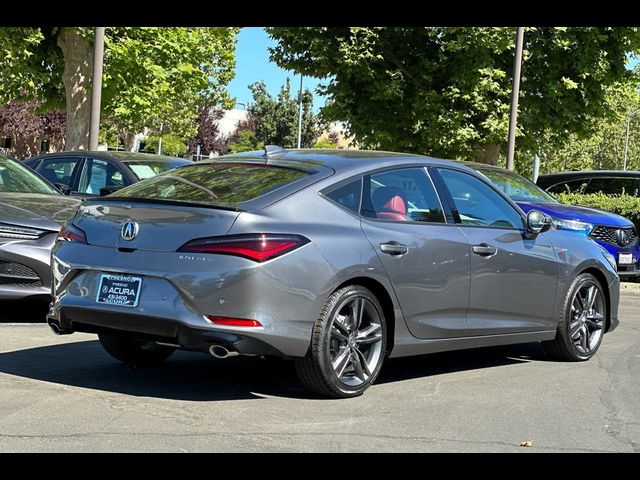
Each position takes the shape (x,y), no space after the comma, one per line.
(538,222)
(64,189)
(110,189)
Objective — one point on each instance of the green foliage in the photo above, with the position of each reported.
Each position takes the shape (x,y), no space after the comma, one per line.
(278,117)
(324,143)
(604,148)
(445,91)
(246,142)
(626,205)
(152,75)
(172,145)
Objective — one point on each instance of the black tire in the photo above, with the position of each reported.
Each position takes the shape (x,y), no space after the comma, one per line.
(315,370)
(562,346)
(132,351)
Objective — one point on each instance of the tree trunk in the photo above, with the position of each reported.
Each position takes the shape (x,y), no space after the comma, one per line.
(489,154)
(129,141)
(78,61)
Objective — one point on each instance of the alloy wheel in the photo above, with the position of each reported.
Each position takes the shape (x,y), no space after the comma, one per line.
(355,341)
(586,325)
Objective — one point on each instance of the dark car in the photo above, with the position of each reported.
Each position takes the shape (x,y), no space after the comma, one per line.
(609,182)
(32,213)
(88,174)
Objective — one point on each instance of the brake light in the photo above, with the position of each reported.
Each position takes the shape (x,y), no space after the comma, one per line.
(233,322)
(256,247)
(71,233)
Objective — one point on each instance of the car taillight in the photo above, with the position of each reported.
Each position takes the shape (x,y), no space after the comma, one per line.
(71,233)
(256,247)
(233,322)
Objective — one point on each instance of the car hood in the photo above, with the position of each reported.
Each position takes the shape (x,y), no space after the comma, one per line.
(572,212)
(37,210)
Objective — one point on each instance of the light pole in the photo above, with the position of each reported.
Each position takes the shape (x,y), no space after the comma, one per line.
(300,114)
(626,138)
(96,88)
(515,93)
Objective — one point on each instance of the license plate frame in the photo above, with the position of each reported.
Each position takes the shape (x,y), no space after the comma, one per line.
(625,258)
(112,293)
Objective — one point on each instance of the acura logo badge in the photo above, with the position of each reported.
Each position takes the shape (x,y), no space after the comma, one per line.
(129,230)
(622,237)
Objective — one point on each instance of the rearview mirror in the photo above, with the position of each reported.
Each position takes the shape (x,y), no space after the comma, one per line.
(537,222)
(64,189)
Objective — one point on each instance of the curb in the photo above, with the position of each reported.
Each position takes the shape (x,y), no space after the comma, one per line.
(629,288)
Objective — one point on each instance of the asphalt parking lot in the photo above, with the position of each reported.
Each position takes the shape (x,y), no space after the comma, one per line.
(66,394)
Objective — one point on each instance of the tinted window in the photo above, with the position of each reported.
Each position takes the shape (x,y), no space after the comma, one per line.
(405,195)
(517,188)
(18,178)
(58,170)
(213,184)
(148,169)
(613,186)
(348,195)
(477,203)
(573,186)
(98,174)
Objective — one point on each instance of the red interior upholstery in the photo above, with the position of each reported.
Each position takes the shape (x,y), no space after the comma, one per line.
(390,203)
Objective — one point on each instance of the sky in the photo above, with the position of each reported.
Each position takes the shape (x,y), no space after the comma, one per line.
(252,65)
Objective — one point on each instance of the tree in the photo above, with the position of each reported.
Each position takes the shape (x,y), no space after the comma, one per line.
(277,118)
(604,148)
(171,145)
(21,122)
(244,139)
(152,76)
(446,91)
(209,136)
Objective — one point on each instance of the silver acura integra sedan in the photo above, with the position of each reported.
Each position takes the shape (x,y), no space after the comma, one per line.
(336,259)
(32,212)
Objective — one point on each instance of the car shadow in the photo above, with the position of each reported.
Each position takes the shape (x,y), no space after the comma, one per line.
(197,377)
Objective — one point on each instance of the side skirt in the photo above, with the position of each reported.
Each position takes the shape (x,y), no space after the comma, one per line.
(405,346)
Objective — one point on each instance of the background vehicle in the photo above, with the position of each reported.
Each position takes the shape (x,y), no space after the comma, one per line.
(31,214)
(614,233)
(335,258)
(609,182)
(89,174)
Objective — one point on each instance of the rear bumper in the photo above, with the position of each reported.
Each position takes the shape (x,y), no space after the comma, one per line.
(70,320)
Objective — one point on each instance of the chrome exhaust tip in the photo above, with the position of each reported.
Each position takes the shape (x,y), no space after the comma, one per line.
(55,328)
(218,351)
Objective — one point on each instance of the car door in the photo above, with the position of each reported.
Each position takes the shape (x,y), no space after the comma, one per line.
(62,170)
(99,173)
(514,274)
(426,258)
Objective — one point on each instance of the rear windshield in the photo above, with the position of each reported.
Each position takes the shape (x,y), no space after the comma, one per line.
(223,185)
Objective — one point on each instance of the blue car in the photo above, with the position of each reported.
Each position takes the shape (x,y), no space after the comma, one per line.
(614,233)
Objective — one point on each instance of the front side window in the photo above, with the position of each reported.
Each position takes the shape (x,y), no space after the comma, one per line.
(477,203)
(517,188)
(403,195)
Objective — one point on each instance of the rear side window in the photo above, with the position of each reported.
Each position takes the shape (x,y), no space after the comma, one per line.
(575,186)
(222,184)
(348,195)
(613,186)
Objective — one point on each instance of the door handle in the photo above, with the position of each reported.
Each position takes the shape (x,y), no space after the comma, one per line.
(484,250)
(394,249)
